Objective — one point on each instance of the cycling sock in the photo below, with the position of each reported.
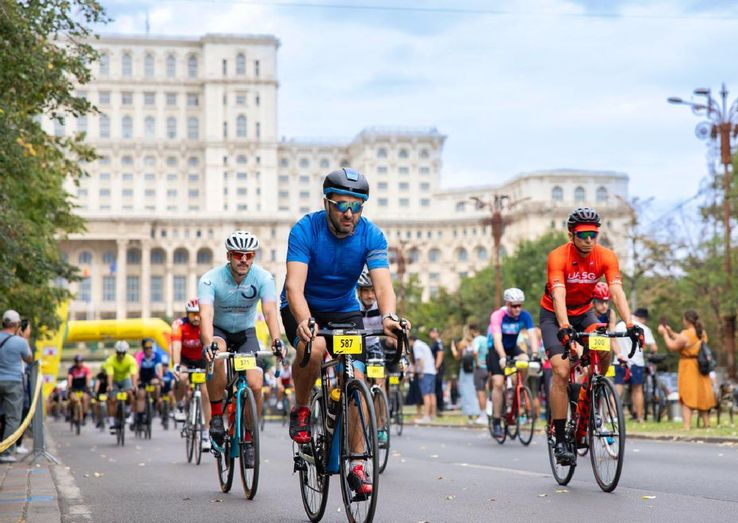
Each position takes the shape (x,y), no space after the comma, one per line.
(559,429)
(216,407)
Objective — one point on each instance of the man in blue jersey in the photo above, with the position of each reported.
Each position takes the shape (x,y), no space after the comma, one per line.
(326,254)
(228,296)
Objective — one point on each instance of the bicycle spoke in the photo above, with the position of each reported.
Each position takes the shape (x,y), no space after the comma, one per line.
(606,435)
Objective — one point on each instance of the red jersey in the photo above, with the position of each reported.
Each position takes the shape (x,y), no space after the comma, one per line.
(578,275)
(189,335)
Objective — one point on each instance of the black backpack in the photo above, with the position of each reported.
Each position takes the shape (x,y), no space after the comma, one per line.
(468,361)
(705,359)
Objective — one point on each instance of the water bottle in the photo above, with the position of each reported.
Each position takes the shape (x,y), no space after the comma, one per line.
(334,399)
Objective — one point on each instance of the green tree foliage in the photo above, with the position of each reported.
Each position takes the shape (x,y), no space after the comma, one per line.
(44,53)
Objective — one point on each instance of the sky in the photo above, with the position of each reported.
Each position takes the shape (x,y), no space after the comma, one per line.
(516,85)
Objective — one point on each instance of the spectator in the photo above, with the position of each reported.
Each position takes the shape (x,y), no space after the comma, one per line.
(425,370)
(481,374)
(25,332)
(437,350)
(13,350)
(695,390)
(637,363)
(464,352)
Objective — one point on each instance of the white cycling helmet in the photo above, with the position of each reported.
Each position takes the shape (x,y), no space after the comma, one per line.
(242,241)
(513,295)
(192,306)
(121,347)
(365,280)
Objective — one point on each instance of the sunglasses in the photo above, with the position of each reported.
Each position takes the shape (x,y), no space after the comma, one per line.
(345,206)
(586,235)
(239,255)
(515,306)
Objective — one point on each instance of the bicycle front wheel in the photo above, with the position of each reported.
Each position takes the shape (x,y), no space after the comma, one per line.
(606,434)
(149,414)
(248,443)
(120,417)
(198,431)
(397,405)
(314,482)
(526,419)
(359,426)
(381,409)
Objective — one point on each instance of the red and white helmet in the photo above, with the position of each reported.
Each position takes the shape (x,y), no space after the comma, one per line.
(192,306)
(601,292)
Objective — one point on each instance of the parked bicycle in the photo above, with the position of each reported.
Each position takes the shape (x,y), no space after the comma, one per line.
(654,390)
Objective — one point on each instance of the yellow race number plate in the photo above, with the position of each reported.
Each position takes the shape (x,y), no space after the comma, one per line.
(599,343)
(510,371)
(122,396)
(78,394)
(375,371)
(150,388)
(394,380)
(197,377)
(103,397)
(244,362)
(347,345)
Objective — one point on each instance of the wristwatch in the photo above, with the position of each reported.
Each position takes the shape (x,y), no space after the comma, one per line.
(390,315)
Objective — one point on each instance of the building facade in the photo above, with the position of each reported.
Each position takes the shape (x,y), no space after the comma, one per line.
(187,138)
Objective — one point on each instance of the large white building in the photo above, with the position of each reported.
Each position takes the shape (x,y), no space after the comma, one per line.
(187,134)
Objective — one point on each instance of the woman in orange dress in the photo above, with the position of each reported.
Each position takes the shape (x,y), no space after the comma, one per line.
(695,390)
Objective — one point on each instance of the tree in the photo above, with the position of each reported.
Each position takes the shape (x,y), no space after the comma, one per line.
(44,54)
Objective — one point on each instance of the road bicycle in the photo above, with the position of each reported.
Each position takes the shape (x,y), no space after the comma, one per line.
(595,418)
(242,427)
(337,421)
(518,413)
(194,424)
(76,413)
(121,397)
(142,422)
(654,390)
(396,401)
(375,371)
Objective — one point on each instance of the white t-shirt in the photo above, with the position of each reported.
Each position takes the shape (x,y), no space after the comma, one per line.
(422,351)
(626,344)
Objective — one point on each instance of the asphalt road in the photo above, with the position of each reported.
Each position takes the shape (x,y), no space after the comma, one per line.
(434,474)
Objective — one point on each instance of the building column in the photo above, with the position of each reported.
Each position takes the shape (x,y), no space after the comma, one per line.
(191,279)
(146,278)
(169,285)
(121,271)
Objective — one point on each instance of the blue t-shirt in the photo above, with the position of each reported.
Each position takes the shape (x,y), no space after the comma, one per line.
(334,264)
(235,305)
(10,357)
(167,380)
(147,367)
(509,327)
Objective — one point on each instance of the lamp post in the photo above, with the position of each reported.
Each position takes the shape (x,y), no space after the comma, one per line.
(722,126)
(398,251)
(497,222)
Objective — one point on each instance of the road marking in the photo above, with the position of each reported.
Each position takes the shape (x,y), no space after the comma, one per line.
(503,469)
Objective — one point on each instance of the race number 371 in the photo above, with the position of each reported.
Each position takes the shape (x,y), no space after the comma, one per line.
(347,344)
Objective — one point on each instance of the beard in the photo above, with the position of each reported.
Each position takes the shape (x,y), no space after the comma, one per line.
(340,227)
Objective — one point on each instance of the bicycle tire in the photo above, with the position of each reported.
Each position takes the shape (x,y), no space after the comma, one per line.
(526,419)
(314,484)
(503,420)
(250,426)
(510,428)
(381,410)
(120,416)
(77,417)
(199,430)
(605,409)
(224,463)
(148,413)
(399,417)
(357,398)
(561,473)
(165,414)
(189,431)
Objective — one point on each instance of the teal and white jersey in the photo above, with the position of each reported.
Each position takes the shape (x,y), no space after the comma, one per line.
(235,306)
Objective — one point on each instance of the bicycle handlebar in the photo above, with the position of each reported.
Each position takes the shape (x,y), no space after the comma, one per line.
(577,336)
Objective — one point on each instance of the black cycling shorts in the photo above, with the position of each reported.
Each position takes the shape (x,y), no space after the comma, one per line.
(493,359)
(550,329)
(242,342)
(323,319)
(192,364)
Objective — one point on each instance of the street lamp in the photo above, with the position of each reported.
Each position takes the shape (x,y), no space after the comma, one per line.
(398,252)
(722,124)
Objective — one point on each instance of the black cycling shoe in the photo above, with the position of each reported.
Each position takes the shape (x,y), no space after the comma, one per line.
(217,430)
(563,455)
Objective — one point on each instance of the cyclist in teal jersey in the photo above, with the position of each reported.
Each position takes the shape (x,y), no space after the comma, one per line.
(228,296)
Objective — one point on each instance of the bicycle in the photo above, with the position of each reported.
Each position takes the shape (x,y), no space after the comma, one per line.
(329,451)
(242,433)
(143,423)
(120,417)
(396,402)
(518,414)
(194,424)
(654,391)
(595,418)
(165,411)
(375,371)
(75,411)
(99,406)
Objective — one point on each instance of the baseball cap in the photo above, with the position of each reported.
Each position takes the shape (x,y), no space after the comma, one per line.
(11,316)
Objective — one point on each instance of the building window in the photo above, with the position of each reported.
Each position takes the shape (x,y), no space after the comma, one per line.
(225,67)
(403,170)
(171,127)
(482,254)
(241,191)
(257,100)
(104,64)
(258,130)
(157,256)
(402,154)
(126,98)
(171,99)
(149,127)
(324,163)
(304,180)
(256,68)
(127,193)
(192,66)
(192,161)
(126,127)
(579,195)
(193,100)
(225,129)
(382,202)
(193,193)
(82,124)
(150,193)
(462,255)
(181,257)
(434,255)
(557,194)
(171,193)
(172,161)
(425,186)
(602,196)
(425,202)
(283,179)
(149,65)
(424,170)
(85,258)
(424,154)
(149,98)
(193,177)
(104,126)
(150,161)
(382,169)
(241,159)
(242,176)
(193,128)
(133,257)
(157,296)
(133,284)
(204,256)
(240,99)
(126,65)
(180,288)
(304,195)
(381,152)
(304,163)
(404,186)
(171,66)
(240,64)
(241,126)
(404,203)
(108,288)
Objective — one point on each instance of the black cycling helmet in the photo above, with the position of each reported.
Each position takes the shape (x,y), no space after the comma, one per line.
(581,216)
(346,181)
(147,341)
(78,358)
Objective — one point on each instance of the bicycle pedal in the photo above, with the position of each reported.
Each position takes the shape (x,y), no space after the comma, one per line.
(300,464)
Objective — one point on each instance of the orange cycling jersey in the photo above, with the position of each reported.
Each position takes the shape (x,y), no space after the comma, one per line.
(578,275)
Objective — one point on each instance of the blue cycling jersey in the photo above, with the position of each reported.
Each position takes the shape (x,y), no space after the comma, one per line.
(147,367)
(235,306)
(508,327)
(167,380)
(334,264)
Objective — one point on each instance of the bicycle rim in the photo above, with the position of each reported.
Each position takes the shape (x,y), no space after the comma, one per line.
(313,484)
(358,407)
(381,409)
(224,462)
(526,419)
(250,427)
(606,435)
(149,415)
(198,433)
(400,419)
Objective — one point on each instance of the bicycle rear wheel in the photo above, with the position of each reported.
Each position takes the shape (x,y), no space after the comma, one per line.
(606,434)
(561,473)
(397,405)
(511,425)
(120,418)
(381,409)
(249,437)
(77,417)
(149,414)
(165,413)
(358,416)
(526,419)
(313,482)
